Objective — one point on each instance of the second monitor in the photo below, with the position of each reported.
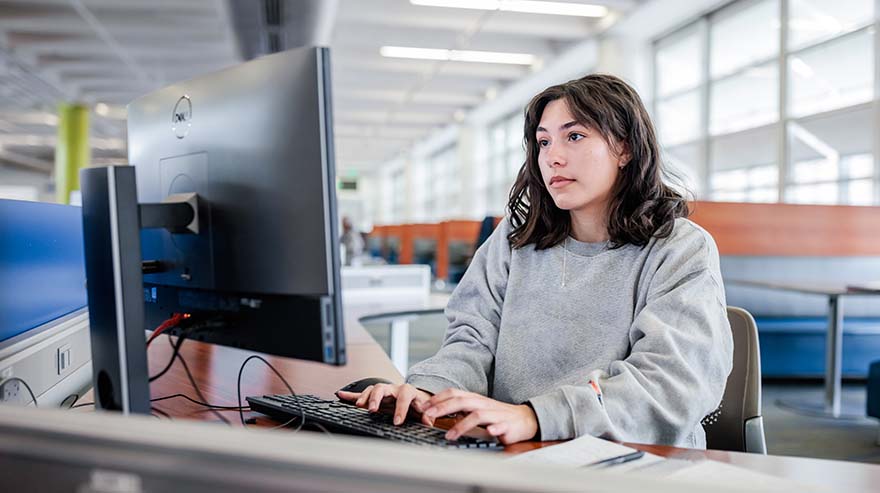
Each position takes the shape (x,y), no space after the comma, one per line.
(255,142)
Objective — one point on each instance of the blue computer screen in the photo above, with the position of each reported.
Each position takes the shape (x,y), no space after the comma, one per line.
(42,271)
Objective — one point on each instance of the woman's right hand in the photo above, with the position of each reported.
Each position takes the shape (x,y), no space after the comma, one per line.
(404,397)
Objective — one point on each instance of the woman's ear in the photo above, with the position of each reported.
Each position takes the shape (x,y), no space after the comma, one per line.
(624,157)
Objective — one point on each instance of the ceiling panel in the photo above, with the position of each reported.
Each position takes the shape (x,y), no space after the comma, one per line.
(108,52)
(98,51)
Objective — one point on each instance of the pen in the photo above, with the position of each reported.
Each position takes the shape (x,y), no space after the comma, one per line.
(620,459)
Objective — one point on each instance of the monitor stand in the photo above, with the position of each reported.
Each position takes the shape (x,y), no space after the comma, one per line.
(112,220)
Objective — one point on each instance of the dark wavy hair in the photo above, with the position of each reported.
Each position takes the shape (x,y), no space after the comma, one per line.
(642,204)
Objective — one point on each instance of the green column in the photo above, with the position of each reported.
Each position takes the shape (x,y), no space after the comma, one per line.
(72,151)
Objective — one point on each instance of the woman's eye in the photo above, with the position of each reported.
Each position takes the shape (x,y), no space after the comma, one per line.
(543,142)
(575,137)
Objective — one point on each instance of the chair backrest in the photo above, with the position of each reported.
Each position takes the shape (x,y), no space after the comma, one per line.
(737,424)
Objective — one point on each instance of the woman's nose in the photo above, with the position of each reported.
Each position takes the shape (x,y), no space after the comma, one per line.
(555,157)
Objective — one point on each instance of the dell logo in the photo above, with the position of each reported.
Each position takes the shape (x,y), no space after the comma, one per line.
(181,117)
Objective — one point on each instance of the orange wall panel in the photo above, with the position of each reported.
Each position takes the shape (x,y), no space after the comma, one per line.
(790,229)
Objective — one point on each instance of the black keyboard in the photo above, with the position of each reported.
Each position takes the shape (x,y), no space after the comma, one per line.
(341,417)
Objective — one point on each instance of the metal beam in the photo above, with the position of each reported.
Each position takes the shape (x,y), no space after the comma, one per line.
(185,61)
(361,36)
(384,117)
(425,97)
(25,161)
(518,25)
(130,5)
(372,62)
(87,47)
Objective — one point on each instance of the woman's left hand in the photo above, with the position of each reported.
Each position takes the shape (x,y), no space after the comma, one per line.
(509,422)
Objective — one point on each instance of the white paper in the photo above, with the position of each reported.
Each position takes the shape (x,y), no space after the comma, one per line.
(729,475)
(577,453)
(587,449)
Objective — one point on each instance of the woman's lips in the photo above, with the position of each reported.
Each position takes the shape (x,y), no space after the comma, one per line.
(559,182)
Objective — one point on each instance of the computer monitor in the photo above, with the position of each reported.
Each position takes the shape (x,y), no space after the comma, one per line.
(44,330)
(231,207)
(255,142)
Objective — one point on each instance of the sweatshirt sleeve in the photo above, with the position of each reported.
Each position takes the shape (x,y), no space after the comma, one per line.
(681,354)
(466,358)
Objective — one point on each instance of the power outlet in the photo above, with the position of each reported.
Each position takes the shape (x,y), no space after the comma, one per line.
(62,359)
(13,392)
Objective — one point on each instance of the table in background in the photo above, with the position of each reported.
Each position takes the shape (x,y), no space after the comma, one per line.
(834,337)
(398,315)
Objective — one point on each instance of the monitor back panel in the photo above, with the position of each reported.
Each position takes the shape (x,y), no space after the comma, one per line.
(252,142)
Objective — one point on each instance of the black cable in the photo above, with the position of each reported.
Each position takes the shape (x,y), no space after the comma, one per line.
(75,398)
(321,427)
(187,326)
(28,387)
(174,396)
(180,339)
(176,354)
(284,425)
(196,387)
(161,412)
(194,401)
(241,370)
(301,417)
(291,420)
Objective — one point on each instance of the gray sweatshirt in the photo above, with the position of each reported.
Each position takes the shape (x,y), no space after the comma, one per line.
(628,344)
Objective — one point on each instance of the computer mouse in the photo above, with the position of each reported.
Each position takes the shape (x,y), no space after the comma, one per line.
(360,385)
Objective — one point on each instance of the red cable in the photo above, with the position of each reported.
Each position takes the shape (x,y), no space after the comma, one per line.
(170,323)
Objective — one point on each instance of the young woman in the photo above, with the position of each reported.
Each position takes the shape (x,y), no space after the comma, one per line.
(595,307)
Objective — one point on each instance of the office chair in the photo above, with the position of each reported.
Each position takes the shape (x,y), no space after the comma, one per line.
(737,424)
(487,225)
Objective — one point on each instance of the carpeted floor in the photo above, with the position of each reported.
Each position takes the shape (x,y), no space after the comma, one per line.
(788,432)
(796,433)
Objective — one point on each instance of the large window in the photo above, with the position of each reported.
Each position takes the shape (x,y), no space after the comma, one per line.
(772,100)
(437,183)
(744,166)
(504,158)
(445,185)
(680,86)
(397,197)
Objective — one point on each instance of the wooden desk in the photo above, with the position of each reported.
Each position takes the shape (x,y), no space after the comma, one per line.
(215,369)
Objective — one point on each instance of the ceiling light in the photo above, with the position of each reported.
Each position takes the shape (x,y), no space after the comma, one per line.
(419,53)
(112,112)
(28,118)
(457,55)
(524,6)
(537,66)
(107,143)
(491,57)
(554,8)
(459,4)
